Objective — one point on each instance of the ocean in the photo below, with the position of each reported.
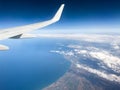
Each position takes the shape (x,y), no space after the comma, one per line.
(29,64)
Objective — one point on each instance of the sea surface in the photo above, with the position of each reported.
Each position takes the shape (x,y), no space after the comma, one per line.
(29,64)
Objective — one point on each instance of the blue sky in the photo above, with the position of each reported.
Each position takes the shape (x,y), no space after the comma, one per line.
(77,14)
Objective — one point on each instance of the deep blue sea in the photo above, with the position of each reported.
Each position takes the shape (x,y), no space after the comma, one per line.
(29,64)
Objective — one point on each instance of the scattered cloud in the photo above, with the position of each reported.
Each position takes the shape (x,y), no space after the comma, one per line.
(103,56)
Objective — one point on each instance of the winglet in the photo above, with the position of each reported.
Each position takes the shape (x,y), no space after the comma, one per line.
(58,14)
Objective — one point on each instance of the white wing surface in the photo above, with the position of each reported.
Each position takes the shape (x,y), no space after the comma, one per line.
(18,31)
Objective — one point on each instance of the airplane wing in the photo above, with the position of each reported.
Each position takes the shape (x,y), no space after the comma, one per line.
(17,32)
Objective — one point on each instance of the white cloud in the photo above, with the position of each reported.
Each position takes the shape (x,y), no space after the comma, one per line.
(109,60)
(85,37)
(105,58)
(116,46)
(111,77)
(74,46)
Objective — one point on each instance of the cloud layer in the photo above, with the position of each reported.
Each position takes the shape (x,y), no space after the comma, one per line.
(101,50)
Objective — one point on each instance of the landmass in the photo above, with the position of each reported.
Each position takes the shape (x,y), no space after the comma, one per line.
(78,79)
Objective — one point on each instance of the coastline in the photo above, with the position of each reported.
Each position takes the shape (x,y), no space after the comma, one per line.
(79,79)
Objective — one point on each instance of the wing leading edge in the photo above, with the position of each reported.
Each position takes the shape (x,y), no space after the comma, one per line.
(13,32)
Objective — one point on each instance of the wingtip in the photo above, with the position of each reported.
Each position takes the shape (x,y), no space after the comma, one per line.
(59,13)
(63,5)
